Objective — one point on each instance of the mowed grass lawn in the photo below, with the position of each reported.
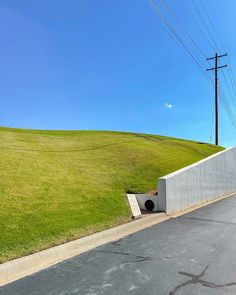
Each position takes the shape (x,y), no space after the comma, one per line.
(56,186)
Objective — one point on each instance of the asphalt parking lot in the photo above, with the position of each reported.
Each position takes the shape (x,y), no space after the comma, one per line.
(192,254)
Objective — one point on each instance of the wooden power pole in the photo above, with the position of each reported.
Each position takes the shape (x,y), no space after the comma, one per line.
(215,68)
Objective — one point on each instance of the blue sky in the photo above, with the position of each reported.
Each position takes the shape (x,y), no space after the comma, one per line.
(110,65)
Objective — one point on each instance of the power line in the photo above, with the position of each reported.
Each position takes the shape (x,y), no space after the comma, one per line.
(177,38)
(192,18)
(232,79)
(157,11)
(229,68)
(195,45)
(205,24)
(227,108)
(192,47)
(229,90)
(183,29)
(212,25)
(222,95)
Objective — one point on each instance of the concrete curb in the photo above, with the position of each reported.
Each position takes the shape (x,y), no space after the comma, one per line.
(25,266)
(21,267)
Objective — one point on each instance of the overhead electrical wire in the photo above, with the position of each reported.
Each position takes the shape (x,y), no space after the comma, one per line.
(231,75)
(211,23)
(179,23)
(222,95)
(191,50)
(183,29)
(194,44)
(178,39)
(227,107)
(232,96)
(194,21)
(229,68)
(205,24)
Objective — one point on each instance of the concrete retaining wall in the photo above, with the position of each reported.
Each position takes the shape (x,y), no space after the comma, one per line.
(200,182)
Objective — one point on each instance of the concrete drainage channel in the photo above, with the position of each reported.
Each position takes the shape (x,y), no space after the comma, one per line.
(143,204)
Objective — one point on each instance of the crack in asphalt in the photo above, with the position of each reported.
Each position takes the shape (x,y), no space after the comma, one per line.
(197,279)
(137,258)
(117,242)
(209,220)
(112,252)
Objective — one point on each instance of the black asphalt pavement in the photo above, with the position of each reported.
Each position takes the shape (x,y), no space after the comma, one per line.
(191,254)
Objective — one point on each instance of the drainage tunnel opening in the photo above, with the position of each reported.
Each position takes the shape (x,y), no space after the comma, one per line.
(149,205)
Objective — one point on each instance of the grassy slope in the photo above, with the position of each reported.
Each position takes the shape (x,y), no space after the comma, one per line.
(59,185)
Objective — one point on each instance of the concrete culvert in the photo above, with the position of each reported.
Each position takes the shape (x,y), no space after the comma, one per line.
(149,205)
(147,202)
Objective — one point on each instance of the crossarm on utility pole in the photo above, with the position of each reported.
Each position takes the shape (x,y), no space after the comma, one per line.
(220,67)
(218,56)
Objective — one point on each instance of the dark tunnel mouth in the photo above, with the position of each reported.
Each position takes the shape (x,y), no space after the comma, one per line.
(149,205)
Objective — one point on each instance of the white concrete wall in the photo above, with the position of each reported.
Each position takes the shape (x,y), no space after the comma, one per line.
(200,182)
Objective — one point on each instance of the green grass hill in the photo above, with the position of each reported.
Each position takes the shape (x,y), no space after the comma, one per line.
(56,186)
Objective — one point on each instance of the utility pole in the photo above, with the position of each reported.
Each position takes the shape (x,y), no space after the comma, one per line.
(216,91)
